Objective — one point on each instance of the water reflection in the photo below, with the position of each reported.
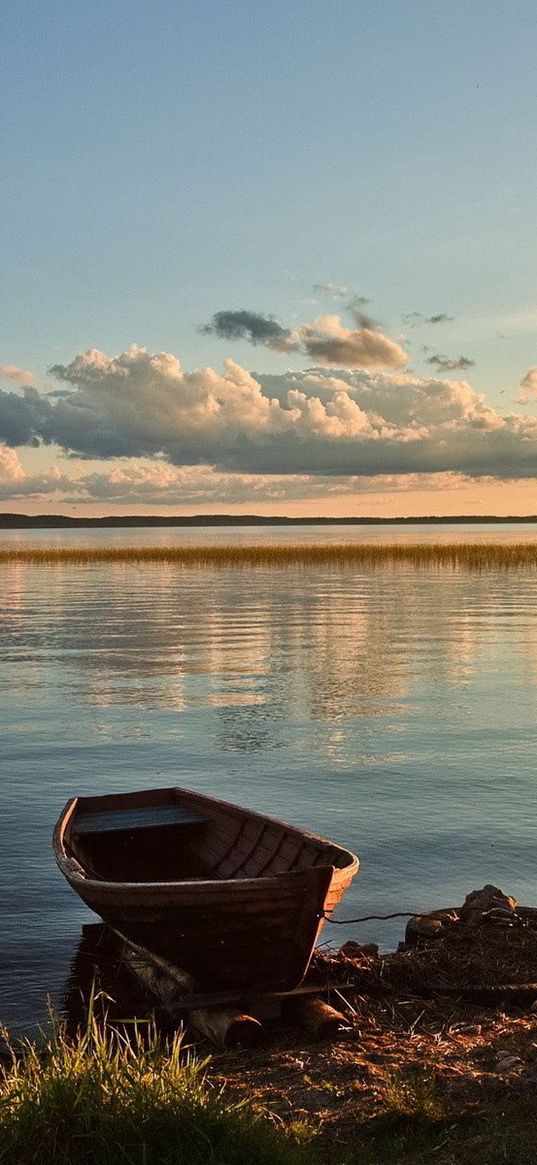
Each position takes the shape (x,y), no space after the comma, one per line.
(261,651)
(390,708)
(98,977)
(261,661)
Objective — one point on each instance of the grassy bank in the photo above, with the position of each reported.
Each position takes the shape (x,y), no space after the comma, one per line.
(107,1100)
(477,556)
(104,1099)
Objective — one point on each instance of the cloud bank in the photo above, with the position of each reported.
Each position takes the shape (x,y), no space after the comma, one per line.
(353,423)
(157,483)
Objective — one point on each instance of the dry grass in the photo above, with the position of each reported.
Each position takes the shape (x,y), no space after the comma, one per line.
(425,1076)
(493,960)
(476,556)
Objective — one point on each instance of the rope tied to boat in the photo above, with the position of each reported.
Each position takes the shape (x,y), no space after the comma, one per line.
(498,910)
(367,917)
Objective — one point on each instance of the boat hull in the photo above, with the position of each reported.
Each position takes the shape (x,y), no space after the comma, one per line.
(227,932)
(261,935)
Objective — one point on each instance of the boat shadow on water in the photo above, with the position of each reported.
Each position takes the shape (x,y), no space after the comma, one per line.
(99,981)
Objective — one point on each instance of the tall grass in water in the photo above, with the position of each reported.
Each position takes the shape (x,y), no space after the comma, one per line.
(477,556)
(106,1099)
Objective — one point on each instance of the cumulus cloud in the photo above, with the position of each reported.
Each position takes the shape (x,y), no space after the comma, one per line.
(16,483)
(322,422)
(10,467)
(445,364)
(330,342)
(23,419)
(528,386)
(16,375)
(326,339)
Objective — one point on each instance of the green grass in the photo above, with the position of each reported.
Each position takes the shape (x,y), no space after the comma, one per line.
(476,556)
(104,1098)
(107,1099)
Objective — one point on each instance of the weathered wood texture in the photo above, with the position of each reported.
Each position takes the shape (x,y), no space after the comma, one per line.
(237,901)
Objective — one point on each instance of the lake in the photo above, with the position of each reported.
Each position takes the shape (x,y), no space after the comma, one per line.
(392,709)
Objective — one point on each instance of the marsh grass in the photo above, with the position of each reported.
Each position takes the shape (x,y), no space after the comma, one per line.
(106,1098)
(471,556)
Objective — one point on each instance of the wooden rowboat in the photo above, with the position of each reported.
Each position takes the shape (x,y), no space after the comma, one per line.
(235,898)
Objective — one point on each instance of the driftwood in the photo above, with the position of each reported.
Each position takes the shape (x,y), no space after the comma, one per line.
(226,1026)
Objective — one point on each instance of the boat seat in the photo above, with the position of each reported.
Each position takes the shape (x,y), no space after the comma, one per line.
(130,820)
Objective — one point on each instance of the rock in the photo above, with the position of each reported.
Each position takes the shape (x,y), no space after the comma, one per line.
(489,898)
(354,950)
(422,926)
(371,949)
(506,1062)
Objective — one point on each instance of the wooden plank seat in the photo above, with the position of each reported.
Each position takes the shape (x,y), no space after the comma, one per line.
(130,819)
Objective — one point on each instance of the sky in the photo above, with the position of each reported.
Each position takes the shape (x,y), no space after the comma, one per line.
(268,259)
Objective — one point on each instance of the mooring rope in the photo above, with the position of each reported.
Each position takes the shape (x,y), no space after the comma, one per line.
(500,910)
(370,917)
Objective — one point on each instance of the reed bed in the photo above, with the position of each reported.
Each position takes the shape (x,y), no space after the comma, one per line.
(470,556)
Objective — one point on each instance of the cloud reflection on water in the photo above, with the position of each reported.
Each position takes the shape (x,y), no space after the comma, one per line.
(259,654)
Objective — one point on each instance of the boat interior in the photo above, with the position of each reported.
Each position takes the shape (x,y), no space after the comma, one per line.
(172,835)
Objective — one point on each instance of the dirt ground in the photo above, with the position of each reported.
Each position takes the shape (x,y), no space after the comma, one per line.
(443,1024)
(440,1030)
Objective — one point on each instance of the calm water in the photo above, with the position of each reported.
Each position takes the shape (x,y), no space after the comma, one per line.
(392,709)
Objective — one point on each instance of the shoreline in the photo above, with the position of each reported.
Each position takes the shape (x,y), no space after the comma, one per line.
(9,521)
(423,1076)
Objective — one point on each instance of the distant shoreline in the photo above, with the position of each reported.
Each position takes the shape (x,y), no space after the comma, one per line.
(120,521)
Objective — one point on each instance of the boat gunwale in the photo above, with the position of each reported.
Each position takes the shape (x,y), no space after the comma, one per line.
(73,870)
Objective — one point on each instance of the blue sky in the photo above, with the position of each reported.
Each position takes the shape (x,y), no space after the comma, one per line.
(163,161)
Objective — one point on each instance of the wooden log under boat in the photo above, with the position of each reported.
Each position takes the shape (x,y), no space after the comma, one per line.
(320,1019)
(225,1026)
(235,898)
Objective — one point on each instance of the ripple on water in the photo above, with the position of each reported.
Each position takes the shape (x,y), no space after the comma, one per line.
(393,710)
